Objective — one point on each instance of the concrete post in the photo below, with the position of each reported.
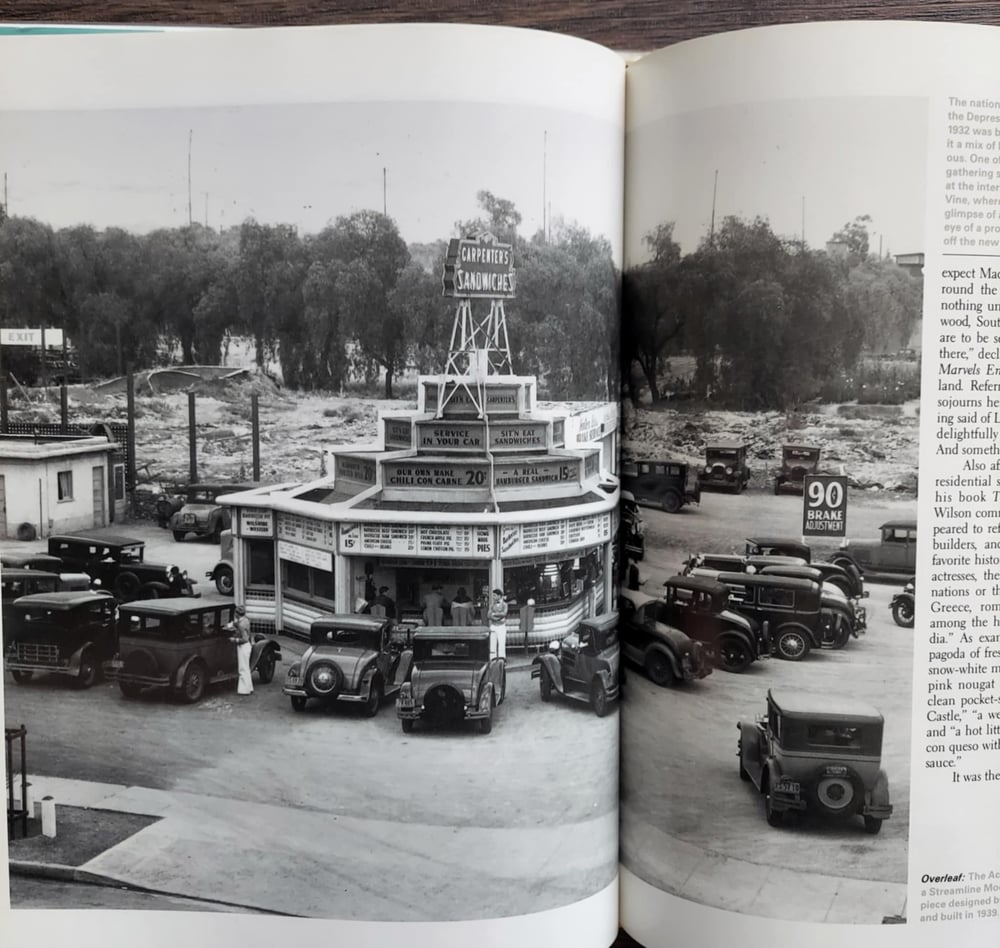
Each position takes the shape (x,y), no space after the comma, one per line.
(48,817)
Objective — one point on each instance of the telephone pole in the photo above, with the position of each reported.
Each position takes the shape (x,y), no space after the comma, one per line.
(190,137)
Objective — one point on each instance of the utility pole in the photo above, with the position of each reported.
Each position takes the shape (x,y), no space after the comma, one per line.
(190,137)
(803,221)
(385,200)
(545,206)
(715,189)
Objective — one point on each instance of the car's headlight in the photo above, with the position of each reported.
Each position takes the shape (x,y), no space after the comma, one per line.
(729,470)
(708,469)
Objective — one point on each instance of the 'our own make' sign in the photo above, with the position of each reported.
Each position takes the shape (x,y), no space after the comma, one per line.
(824,505)
(479,268)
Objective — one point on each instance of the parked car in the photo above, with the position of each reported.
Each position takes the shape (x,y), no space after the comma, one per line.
(584,665)
(668,485)
(699,608)
(451,677)
(793,613)
(118,562)
(895,552)
(166,505)
(736,562)
(15,583)
(725,468)
(664,652)
(64,633)
(201,513)
(38,561)
(351,658)
(222,573)
(183,646)
(903,604)
(820,753)
(851,610)
(797,460)
(847,576)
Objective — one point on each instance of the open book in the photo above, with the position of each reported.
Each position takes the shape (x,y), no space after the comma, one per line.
(490,653)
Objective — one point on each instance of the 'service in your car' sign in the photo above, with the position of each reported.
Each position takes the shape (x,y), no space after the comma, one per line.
(824,505)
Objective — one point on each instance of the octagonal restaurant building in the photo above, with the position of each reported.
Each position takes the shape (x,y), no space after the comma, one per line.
(479,488)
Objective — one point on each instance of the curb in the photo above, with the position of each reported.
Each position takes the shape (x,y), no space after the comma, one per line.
(27,869)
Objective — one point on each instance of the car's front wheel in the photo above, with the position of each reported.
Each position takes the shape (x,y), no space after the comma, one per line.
(406,724)
(90,671)
(224,580)
(374,701)
(129,689)
(544,685)
(671,502)
(902,612)
(265,667)
(194,683)
(872,825)
(773,816)
(659,670)
(179,535)
(599,697)
(744,775)
(22,677)
(298,702)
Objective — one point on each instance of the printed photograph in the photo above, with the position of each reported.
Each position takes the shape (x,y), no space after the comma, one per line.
(308,496)
(771,384)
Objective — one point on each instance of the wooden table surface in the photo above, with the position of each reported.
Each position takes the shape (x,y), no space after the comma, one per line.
(620,24)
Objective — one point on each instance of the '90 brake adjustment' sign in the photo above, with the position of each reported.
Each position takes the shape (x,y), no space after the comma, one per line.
(824,506)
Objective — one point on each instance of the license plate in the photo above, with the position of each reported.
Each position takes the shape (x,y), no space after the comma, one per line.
(116,663)
(187,518)
(786,786)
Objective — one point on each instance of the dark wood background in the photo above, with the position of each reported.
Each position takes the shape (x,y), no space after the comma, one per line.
(633,25)
(620,24)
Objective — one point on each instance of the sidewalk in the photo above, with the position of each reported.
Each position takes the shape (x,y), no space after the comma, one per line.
(309,863)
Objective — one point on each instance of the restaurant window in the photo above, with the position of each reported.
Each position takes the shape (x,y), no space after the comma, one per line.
(260,562)
(65,485)
(306,582)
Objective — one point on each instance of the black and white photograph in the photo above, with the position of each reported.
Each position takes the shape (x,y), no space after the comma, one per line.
(308,480)
(771,383)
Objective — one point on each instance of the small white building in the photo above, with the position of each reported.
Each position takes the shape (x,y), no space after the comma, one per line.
(57,484)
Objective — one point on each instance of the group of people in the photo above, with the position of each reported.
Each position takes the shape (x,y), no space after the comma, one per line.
(461,608)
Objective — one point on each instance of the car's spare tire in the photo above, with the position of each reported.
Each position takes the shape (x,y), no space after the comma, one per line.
(837,794)
(444,703)
(324,680)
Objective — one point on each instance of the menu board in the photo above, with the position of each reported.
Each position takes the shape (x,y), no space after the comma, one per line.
(256,523)
(458,401)
(422,540)
(305,530)
(574,533)
(435,474)
(361,470)
(514,474)
(591,464)
(398,432)
(318,559)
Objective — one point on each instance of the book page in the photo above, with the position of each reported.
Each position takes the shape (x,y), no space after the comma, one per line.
(336,315)
(809,272)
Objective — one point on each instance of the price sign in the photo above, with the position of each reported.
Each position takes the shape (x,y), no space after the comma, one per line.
(824,506)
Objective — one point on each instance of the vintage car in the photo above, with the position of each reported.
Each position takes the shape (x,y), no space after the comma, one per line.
(350,658)
(725,468)
(183,646)
(65,633)
(584,665)
(222,573)
(668,485)
(894,553)
(631,535)
(850,609)
(201,514)
(797,460)
(118,563)
(699,608)
(821,754)
(794,614)
(42,561)
(846,576)
(166,505)
(665,653)
(450,677)
(15,583)
(903,604)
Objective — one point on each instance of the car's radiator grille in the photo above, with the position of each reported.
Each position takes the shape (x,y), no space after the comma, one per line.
(38,654)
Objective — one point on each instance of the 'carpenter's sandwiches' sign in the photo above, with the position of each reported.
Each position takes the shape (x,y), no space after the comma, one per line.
(479,268)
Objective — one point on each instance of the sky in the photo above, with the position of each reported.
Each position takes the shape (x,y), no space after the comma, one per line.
(842,157)
(310,163)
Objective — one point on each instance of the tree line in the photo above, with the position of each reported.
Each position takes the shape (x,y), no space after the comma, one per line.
(767,321)
(351,302)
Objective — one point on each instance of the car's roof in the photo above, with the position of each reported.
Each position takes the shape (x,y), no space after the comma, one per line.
(724,445)
(800,447)
(698,584)
(782,582)
(793,570)
(100,539)
(17,558)
(349,621)
(453,633)
(60,600)
(807,704)
(172,606)
(780,559)
(777,541)
(607,621)
(636,598)
(907,524)
(15,572)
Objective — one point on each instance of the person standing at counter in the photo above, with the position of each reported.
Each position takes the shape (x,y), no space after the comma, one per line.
(463,609)
(434,606)
(498,625)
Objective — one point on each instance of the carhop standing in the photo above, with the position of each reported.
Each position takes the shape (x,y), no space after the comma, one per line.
(498,625)
(241,636)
